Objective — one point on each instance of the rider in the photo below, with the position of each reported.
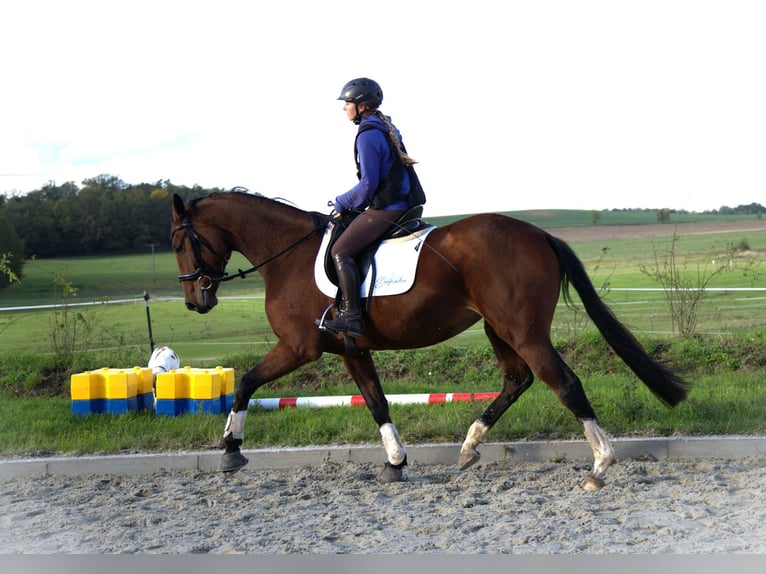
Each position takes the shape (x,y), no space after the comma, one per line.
(380,197)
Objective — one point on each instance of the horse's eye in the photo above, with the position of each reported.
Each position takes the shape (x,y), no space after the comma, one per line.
(179,249)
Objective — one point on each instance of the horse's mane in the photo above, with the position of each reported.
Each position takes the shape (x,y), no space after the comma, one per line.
(320,220)
(241,192)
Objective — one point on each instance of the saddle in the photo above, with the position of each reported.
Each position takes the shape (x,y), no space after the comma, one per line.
(410,222)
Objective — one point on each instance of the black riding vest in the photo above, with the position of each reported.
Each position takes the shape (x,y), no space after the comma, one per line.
(390,189)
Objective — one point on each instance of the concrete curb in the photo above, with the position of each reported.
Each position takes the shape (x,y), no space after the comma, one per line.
(725,447)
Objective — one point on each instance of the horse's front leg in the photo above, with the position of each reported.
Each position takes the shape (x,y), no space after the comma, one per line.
(362,369)
(282,359)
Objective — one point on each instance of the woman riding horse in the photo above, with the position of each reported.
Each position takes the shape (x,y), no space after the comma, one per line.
(379,198)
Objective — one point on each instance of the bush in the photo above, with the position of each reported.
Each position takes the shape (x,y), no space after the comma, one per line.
(32,374)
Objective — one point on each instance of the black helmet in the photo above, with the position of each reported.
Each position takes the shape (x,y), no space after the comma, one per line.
(362,91)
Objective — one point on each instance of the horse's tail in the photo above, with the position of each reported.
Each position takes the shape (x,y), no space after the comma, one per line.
(666,385)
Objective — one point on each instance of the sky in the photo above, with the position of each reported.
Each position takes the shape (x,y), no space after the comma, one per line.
(506,105)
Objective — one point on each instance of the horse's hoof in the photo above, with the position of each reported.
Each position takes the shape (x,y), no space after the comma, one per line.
(468,458)
(232,461)
(391,473)
(593,483)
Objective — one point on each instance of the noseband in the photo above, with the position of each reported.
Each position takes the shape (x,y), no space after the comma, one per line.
(203,271)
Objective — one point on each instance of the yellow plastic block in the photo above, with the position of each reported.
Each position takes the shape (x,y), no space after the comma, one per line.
(188,383)
(206,384)
(83,387)
(227,380)
(121,384)
(115,391)
(168,385)
(104,384)
(145,382)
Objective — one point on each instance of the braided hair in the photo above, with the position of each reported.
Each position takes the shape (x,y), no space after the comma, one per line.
(406,160)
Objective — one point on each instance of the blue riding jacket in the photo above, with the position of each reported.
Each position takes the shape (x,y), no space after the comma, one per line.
(375,161)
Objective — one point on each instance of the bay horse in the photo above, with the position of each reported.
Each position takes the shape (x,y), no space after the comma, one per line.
(488,267)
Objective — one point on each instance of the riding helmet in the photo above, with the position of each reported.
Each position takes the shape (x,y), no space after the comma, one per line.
(362,91)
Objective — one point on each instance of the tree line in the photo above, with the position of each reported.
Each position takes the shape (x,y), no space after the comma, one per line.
(105,215)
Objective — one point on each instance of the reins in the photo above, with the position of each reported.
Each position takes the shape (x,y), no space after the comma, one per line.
(242,274)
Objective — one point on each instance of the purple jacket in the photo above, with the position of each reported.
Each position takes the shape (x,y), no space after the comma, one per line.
(375,161)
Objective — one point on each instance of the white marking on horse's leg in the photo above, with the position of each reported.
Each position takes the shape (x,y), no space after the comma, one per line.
(393,444)
(477,432)
(475,436)
(235,425)
(603,454)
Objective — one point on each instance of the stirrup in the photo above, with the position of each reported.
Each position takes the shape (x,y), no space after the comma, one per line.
(321,321)
(351,327)
(335,329)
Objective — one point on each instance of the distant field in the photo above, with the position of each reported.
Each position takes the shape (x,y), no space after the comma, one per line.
(555,218)
(612,254)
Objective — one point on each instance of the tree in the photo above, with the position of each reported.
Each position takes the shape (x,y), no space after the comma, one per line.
(751,209)
(106,183)
(11,252)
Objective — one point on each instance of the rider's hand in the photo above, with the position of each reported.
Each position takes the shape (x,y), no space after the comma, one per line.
(334,213)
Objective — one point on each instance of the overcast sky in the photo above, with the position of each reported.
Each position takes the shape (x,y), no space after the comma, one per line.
(506,105)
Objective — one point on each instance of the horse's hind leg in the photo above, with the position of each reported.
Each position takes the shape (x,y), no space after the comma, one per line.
(603,453)
(362,369)
(517,378)
(551,368)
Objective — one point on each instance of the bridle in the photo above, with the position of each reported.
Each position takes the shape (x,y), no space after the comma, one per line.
(204,272)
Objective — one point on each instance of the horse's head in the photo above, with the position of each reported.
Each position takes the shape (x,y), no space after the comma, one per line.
(201,254)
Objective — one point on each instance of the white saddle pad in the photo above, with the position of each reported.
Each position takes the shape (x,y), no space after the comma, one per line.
(396,261)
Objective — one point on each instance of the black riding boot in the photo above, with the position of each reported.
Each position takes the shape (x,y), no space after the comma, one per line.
(349,318)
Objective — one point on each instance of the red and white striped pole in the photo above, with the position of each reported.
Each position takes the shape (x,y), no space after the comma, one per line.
(273,404)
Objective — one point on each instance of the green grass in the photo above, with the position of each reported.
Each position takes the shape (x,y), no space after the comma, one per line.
(238,323)
(700,247)
(718,405)
(115,277)
(727,397)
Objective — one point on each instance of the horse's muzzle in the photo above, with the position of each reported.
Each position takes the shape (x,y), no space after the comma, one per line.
(208,302)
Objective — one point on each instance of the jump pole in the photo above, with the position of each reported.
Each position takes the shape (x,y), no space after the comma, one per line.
(273,404)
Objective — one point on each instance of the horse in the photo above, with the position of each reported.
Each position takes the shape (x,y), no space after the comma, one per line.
(490,267)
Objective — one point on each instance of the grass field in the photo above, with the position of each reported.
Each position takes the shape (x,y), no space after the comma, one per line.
(734,300)
(725,363)
(556,218)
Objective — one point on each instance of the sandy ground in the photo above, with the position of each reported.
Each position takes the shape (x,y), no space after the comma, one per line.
(647,506)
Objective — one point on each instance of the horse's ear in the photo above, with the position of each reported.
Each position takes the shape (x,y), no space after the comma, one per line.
(178,206)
